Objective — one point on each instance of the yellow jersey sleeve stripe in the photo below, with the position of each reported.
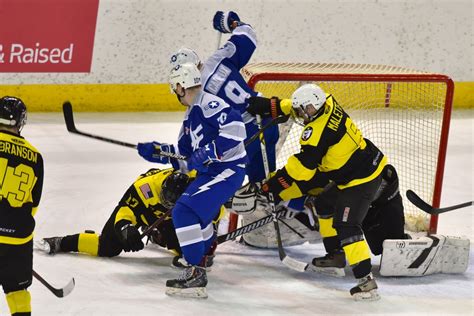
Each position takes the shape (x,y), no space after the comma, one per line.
(125,213)
(285,106)
(298,171)
(292,192)
(14,240)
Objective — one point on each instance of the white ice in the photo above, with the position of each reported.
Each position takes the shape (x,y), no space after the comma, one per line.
(85,178)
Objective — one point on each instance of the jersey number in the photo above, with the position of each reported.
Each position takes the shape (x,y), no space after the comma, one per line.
(16,183)
(235,92)
(353,132)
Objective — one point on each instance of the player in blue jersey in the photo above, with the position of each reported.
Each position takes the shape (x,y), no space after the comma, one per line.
(211,137)
(220,76)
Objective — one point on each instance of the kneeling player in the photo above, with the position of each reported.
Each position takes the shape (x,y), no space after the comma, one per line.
(384,220)
(146,200)
(383,228)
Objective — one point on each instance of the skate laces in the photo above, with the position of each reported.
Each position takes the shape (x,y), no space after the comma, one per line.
(186,274)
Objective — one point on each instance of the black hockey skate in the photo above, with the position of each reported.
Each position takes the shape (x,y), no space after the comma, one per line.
(191,283)
(50,245)
(366,290)
(331,264)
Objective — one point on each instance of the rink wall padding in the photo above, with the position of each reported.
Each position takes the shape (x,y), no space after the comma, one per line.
(95,97)
(137,97)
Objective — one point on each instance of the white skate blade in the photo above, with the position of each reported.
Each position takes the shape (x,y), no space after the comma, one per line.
(41,245)
(195,292)
(331,271)
(371,295)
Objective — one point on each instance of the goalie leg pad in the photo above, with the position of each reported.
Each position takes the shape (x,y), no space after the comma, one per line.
(424,256)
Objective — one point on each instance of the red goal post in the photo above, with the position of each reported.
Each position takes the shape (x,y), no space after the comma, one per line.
(405,112)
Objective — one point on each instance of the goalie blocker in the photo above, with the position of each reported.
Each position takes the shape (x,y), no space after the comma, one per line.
(424,256)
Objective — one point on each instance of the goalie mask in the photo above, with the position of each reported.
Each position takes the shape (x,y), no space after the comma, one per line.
(172,188)
(186,75)
(307,100)
(12,112)
(183,56)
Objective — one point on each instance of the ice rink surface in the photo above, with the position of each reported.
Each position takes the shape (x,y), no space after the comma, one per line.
(85,178)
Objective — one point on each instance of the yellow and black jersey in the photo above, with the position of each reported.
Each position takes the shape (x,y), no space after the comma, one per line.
(141,203)
(21,184)
(332,148)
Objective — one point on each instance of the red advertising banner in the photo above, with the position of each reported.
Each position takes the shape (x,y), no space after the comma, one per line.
(47,35)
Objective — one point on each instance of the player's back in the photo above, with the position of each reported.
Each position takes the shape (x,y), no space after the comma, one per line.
(221,72)
(21,181)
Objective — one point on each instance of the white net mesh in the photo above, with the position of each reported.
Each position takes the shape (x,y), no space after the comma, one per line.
(399,110)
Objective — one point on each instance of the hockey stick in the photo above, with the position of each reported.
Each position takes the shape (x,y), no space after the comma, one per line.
(61,292)
(71,127)
(156,223)
(418,202)
(288,261)
(275,121)
(250,227)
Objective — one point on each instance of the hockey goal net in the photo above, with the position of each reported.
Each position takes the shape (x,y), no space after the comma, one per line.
(405,112)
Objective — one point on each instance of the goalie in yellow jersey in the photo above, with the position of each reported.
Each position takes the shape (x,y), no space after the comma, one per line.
(146,200)
(332,149)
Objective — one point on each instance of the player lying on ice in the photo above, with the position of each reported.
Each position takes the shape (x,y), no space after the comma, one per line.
(146,200)
(332,147)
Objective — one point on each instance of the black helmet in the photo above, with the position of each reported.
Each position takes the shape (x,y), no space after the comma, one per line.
(12,112)
(173,186)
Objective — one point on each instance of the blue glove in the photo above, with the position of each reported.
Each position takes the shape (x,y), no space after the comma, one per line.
(202,157)
(150,151)
(223,21)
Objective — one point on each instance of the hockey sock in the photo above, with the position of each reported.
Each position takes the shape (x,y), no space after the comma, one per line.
(189,233)
(88,243)
(69,243)
(19,302)
(83,242)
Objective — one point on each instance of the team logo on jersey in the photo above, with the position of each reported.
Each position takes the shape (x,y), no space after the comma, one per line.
(213,104)
(307,133)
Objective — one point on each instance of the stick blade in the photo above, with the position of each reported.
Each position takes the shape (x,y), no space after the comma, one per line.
(65,291)
(418,202)
(68,116)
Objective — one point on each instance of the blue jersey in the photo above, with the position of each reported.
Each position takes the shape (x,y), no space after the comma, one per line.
(221,76)
(221,72)
(211,119)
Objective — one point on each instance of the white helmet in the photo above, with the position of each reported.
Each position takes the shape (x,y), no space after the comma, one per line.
(184,55)
(187,75)
(304,96)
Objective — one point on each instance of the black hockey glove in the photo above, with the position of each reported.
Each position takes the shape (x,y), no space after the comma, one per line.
(129,236)
(265,107)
